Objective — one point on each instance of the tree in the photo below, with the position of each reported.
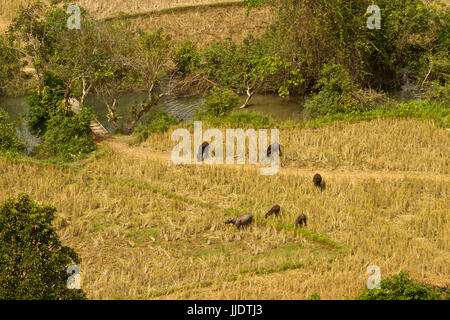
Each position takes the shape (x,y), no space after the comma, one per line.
(33,263)
(35,33)
(151,59)
(260,70)
(117,76)
(10,63)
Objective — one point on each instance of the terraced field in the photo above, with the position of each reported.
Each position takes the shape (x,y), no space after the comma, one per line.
(203,21)
(148,229)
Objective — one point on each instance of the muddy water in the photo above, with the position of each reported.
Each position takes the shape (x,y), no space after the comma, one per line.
(271,105)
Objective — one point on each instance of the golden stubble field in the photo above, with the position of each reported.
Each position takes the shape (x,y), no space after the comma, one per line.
(147,229)
(190,20)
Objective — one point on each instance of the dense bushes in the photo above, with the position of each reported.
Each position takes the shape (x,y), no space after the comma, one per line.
(9,142)
(439,92)
(65,135)
(33,263)
(312,33)
(68,136)
(401,287)
(44,104)
(220,102)
(336,93)
(186,57)
(161,123)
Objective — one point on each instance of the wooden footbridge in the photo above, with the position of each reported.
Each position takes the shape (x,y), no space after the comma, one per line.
(96,127)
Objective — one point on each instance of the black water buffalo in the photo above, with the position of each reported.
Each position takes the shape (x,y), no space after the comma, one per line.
(201,151)
(301,219)
(274,147)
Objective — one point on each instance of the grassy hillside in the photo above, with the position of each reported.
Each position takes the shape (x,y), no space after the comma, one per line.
(145,228)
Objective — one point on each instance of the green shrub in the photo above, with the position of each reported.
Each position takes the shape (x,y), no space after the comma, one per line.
(161,123)
(400,287)
(33,263)
(439,92)
(44,104)
(186,57)
(314,296)
(68,136)
(220,102)
(9,142)
(334,94)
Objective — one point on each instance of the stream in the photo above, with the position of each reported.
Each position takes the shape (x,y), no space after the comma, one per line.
(184,108)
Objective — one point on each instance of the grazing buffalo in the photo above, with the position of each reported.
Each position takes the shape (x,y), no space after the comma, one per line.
(201,151)
(318,181)
(274,147)
(301,219)
(240,221)
(275,210)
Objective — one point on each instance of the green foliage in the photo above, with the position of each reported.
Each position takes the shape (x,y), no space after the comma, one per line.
(338,94)
(334,92)
(186,57)
(401,287)
(248,66)
(161,123)
(68,136)
(224,63)
(220,102)
(315,296)
(228,63)
(37,29)
(240,119)
(33,262)
(417,109)
(10,63)
(9,142)
(44,104)
(65,135)
(439,92)
(310,34)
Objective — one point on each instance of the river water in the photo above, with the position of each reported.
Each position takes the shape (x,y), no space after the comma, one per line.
(271,105)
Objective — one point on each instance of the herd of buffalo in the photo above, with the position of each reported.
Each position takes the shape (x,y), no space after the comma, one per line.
(275,210)
(246,219)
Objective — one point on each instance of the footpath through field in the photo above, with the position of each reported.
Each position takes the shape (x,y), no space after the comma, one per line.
(138,151)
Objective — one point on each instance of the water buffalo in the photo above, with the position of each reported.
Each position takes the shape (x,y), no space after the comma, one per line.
(201,151)
(301,219)
(318,181)
(274,147)
(240,221)
(275,210)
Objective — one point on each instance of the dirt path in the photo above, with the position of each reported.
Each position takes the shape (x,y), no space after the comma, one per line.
(144,153)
